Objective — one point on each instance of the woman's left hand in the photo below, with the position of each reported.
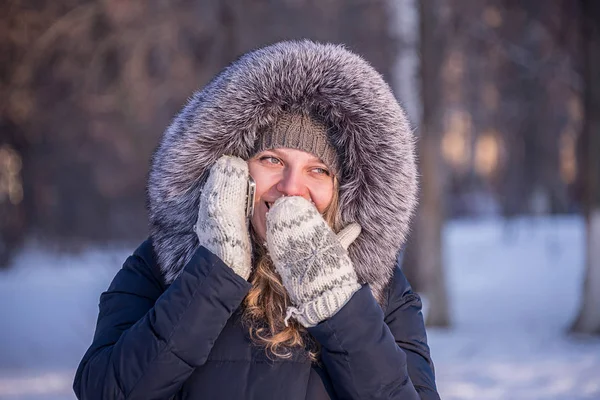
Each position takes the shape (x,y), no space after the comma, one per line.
(311,259)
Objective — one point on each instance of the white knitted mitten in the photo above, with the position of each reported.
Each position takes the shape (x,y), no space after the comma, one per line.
(222,226)
(312,261)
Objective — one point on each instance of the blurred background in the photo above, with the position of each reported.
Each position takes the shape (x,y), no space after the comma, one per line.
(504,96)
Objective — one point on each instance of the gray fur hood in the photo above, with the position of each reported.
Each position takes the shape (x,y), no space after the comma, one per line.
(367,127)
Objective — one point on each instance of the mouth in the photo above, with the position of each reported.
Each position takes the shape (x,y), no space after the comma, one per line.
(268,204)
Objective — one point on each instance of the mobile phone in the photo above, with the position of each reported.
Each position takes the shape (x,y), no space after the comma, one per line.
(250,197)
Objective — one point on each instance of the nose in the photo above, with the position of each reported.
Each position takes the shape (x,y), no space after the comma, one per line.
(292,184)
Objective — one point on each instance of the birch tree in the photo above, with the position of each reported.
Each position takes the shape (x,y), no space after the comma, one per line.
(588,319)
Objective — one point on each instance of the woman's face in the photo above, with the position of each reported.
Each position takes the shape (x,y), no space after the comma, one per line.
(287,172)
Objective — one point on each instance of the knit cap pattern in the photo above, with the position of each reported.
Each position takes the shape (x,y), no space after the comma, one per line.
(315,268)
(301,132)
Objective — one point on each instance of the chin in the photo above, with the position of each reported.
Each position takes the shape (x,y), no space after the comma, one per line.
(262,234)
(260,229)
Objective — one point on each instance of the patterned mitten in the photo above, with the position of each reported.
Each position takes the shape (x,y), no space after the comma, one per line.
(222,225)
(312,261)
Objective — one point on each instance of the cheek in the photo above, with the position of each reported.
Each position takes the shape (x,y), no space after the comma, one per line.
(322,196)
(263,178)
(263,186)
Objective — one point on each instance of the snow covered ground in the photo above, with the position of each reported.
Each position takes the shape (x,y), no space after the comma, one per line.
(514,290)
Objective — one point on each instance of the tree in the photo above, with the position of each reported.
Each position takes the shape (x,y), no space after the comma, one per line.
(87,88)
(588,319)
(12,215)
(430,217)
(404,24)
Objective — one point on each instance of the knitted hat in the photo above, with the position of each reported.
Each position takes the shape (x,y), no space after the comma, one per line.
(301,132)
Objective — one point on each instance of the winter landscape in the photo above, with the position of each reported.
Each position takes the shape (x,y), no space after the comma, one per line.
(503,100)
(514,287)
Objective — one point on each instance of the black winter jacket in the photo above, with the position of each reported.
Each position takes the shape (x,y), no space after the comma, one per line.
(186,341)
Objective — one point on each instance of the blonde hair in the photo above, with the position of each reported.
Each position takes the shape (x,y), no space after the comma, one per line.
(266,303)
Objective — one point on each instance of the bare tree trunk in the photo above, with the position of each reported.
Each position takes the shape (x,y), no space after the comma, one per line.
(431,216)
(12,213)
(404,28)
(588,320)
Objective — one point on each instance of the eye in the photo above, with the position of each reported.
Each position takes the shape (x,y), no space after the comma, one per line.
(270,159)
(322,171)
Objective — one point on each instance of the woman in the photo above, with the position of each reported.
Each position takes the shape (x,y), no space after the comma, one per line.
(284,304)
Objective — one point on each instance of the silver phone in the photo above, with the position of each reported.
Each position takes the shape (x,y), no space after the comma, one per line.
(250,197)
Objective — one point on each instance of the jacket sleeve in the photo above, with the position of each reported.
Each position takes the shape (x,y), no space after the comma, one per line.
(369,355)
(405,321)
(147,342)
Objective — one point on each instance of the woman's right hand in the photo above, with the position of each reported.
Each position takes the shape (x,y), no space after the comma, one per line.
(222,226)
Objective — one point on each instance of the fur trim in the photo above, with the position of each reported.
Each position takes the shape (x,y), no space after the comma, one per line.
(367,127)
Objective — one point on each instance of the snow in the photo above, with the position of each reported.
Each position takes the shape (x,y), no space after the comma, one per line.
(515,288)
(48,305)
